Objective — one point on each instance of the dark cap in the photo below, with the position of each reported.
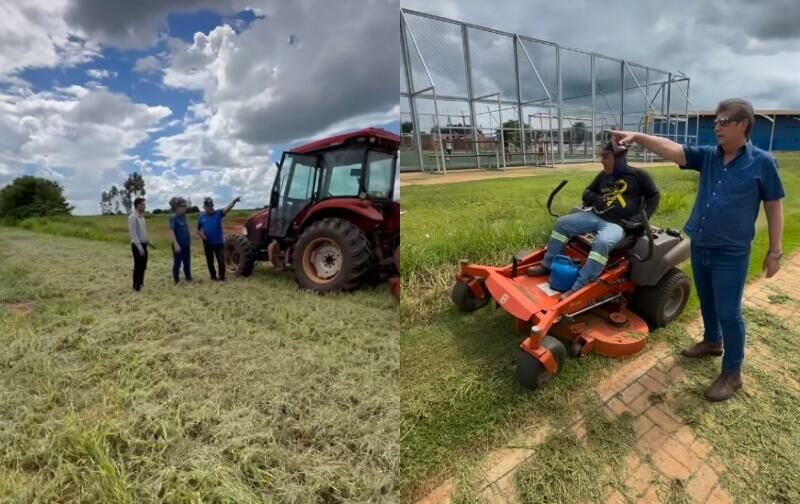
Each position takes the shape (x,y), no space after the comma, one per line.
(208,202)
(619,150)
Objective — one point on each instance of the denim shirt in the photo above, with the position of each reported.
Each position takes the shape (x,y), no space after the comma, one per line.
(728,196)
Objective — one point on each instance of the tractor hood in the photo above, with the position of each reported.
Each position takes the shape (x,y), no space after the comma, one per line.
(257,221)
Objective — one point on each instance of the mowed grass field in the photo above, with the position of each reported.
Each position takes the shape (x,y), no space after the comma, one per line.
(243,392)
(458,393)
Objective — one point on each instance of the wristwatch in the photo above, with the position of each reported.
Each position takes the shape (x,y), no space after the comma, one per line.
(776,255)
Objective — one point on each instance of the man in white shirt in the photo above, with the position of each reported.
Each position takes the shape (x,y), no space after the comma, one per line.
(139,242)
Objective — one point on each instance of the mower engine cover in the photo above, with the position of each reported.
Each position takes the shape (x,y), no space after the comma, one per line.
(668,252)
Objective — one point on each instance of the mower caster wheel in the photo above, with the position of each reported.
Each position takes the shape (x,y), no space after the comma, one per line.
(466,300)
(531,373)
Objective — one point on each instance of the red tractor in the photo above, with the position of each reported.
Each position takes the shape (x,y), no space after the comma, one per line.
(333,215)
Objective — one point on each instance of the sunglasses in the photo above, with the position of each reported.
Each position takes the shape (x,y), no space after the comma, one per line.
(724,121)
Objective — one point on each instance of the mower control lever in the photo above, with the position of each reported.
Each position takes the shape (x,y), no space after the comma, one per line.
(553,195)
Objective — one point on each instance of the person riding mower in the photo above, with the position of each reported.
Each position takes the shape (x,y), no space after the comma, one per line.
(627,285)
(613,202)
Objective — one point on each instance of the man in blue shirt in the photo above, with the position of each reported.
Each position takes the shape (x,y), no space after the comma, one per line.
(181,242)
(735,178)
(209,228)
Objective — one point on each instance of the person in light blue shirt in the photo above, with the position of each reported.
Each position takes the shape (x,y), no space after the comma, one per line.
(736,178)
(209,229)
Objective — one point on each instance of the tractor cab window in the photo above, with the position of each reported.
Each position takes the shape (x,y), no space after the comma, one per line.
(380,174)
(342,172)
(302,184)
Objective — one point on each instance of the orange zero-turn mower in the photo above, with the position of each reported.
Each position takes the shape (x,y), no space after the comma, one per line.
(640,286)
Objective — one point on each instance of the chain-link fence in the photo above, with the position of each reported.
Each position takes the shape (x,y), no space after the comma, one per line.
(474,97)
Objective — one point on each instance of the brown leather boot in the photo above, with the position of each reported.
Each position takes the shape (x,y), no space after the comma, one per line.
(703,349)
(725,386)
(538,270)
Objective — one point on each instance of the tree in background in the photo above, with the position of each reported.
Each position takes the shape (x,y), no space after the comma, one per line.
(134,188)
(113,201)
(406,127)
(30,196)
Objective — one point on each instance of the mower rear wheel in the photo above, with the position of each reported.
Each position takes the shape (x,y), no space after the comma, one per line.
(466,300)
(331,255)
(663,302)
(239,255)
(531,373)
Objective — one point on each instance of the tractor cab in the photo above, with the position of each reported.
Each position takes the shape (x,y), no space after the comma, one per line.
(333,214)
(360,166)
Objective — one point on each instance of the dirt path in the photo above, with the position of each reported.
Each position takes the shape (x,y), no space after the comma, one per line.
(666,449)
(417,178)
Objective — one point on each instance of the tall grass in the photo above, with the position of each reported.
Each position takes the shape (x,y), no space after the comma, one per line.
(244,392)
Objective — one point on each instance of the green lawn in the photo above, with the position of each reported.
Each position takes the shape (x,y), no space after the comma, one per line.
(459,398)
(243,392)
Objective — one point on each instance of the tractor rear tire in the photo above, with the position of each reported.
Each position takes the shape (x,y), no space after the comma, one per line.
(331,255)
(466,300)
(663,302)
(239,255)
(531,373)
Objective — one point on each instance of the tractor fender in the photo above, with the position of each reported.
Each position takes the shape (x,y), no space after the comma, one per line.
(365,216)
(668,252)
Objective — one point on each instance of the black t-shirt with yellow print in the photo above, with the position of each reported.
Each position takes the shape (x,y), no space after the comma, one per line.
(619,195)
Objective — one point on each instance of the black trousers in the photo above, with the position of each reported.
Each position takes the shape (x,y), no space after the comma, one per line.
(139,266)
(217,251)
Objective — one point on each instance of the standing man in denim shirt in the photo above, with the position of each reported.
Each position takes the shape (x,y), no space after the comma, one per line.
(181,242)
(209,228)
(735,178)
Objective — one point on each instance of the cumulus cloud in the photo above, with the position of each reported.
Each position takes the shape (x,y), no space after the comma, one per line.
(99,73)
(78,137)
(288,76)
(128,24)
(148,64)
(36,35)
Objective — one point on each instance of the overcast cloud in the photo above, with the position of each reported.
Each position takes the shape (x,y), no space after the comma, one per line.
(728,48)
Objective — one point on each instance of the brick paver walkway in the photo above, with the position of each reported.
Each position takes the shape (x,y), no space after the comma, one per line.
(665,448)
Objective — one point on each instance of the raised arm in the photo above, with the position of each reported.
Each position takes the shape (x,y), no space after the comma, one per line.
(664,147)
(230,205)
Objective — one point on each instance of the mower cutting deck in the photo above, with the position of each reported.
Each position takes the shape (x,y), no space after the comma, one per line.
(595,318)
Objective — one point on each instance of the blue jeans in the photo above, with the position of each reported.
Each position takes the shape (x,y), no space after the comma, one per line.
(183,257)
(607,234)
(719,277)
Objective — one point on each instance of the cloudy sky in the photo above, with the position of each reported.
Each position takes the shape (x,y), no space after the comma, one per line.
(728,48)
(200,96)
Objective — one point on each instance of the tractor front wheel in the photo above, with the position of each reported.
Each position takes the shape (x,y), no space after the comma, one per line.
(239,255)
(531,373)
(332,254)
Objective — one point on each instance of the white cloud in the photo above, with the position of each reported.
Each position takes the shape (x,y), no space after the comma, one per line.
(78,137)
(99,74)
(148,64)
(288,77)
(36,35)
